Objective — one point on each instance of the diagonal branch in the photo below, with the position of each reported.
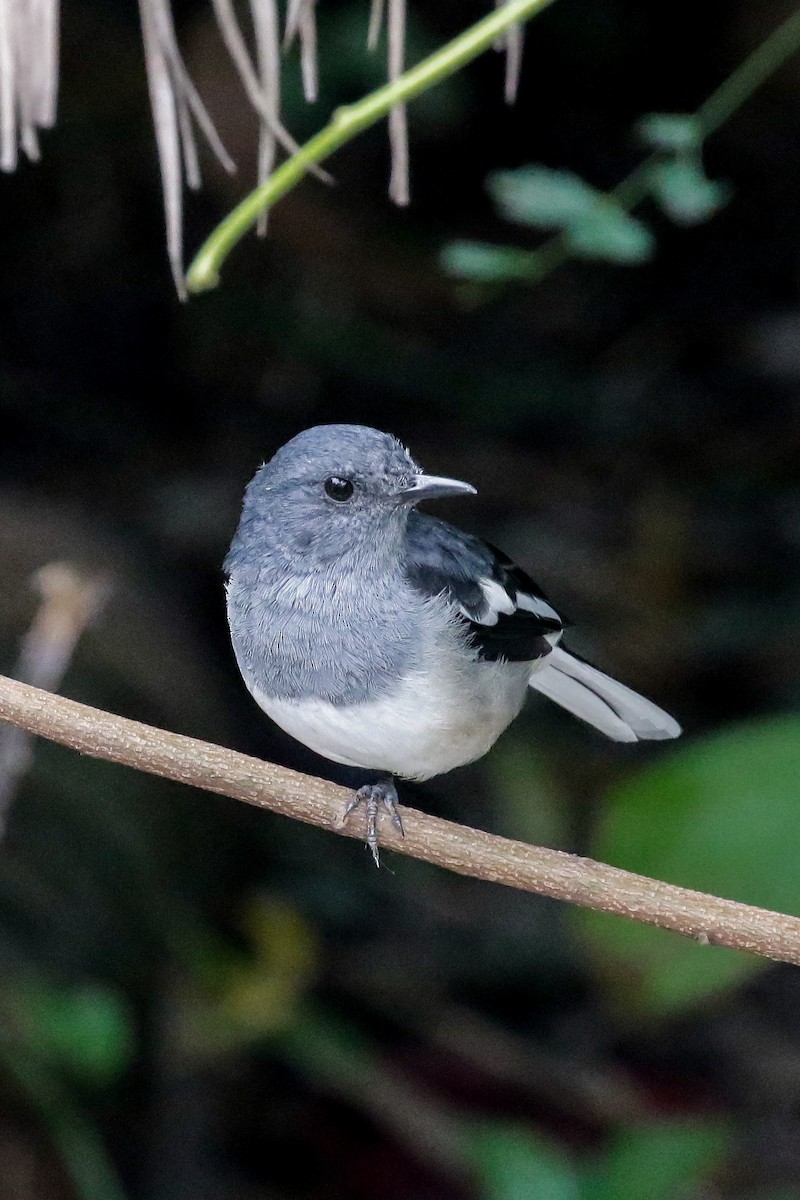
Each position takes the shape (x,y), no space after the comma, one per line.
(707,919)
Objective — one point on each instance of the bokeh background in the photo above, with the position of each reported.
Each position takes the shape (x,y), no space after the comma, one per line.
(206,1002)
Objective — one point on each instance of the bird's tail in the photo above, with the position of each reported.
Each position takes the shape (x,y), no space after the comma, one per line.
(611,707)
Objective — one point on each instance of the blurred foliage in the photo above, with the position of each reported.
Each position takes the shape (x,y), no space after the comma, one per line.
(669,1160)
(594,225)
(718,816)
(515,1164)
(591,223)
(85,1032)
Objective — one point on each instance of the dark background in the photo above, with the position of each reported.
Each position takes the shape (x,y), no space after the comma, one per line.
(201,1000)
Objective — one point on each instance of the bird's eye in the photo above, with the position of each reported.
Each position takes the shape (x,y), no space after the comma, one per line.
(339,489)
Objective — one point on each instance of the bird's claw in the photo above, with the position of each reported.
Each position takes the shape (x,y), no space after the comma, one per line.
(373,796)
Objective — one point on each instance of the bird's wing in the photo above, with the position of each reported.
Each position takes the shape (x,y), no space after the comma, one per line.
(508,615)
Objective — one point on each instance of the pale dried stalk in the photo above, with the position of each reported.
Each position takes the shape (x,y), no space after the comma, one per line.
(268,59)
(514,41)
(308,52)
(28,76)
(399,186)
(261,84)
(399,189)
(710,920)
(301,20)
(261,81)
(70,602)
(294,15)
(44,85)
(511,44)
(175,104)
(8,90)
(375,23)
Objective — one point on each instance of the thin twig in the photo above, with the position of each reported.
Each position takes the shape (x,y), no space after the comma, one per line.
(70,602)
(710,920)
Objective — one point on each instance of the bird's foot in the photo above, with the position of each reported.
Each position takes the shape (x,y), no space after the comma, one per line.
(374,796)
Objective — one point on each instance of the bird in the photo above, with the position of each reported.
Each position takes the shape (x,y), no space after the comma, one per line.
(386,639)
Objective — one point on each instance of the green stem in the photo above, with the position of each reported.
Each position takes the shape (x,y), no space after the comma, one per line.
(781,44)
(344,125)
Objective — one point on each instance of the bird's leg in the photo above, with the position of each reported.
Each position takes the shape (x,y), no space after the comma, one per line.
(374,795)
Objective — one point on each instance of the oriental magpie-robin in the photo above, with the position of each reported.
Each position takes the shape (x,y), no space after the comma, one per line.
(385,638)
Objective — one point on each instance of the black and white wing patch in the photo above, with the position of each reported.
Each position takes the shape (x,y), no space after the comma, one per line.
(508,615)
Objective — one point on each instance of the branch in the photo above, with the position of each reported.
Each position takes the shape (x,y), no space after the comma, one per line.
(707,919)
(345,124)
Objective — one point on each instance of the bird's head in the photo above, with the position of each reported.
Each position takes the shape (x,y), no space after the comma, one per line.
(335,489)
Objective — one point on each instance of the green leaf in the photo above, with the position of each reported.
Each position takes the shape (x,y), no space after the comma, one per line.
(675,132)
(660,1161)
(609,233)
(540,196)
(721,816)
(685,193)
(517,1164)
(86,1031)
(485,263)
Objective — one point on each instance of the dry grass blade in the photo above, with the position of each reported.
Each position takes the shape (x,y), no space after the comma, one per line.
(261,81)
(301,22)
(266,23)
(294,17)
(8,93)
(511,44)
(26,48)
(263,85)
(191,162)
(175,103)
(28,76)
(185,91)
(168,142)
(308,52)
(375,23)
(514,41)
(399,189)
(45,73)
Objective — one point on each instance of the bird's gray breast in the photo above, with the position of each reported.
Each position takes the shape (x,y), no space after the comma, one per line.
(334,635)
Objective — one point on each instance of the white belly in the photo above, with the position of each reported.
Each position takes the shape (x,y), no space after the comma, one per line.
(429,726)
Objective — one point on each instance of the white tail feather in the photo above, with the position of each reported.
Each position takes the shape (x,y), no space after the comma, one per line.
(609,706)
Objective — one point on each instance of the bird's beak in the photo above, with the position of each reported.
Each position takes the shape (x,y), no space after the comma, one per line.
(433,487)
